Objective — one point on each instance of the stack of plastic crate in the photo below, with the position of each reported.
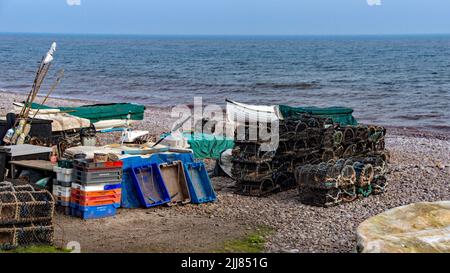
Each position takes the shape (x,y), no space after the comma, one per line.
(62,185)
(97,189)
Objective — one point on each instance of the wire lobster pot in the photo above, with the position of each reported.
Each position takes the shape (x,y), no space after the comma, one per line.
(358,140)
(13,236)
(379,162)
(26,207)
(26,216)
(328,163)
(260,171)
(333,182)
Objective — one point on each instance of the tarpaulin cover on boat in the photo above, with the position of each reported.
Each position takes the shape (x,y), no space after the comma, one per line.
(99,112)
(341,115)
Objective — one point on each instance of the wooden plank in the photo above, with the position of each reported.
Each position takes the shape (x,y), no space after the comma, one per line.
(34,164)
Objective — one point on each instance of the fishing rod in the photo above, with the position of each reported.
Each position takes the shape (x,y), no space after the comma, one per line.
(19,125)
(27,127)
(46,63)
(53,87)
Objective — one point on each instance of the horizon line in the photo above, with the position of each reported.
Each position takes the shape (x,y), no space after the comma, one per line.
(224,35)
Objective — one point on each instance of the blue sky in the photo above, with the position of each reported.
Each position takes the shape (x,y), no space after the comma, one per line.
(256,17)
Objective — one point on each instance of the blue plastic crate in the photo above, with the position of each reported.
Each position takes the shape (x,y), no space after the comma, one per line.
(150,186)
(112,187)
(93,212)
(200,186)
(130,197)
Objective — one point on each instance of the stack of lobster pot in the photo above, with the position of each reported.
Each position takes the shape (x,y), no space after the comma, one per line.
(358,140)
(326,184)
(261,167)
(252,165)
(358,168)
(303,140)
(62,185)
(379,163)
(26,216)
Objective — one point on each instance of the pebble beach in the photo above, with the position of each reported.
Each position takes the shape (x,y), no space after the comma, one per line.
(419,171)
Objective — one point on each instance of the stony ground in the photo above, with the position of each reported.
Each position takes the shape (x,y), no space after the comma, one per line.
(419,171)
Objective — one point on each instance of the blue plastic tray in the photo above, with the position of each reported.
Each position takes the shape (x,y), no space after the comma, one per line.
(130,197)
(93,212)
(150,186)
(200,187)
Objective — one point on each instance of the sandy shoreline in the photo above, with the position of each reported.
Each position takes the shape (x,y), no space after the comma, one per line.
(419,171)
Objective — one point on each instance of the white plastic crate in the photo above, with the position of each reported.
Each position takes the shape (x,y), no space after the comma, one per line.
(63,174)
(97,186)
(60,191)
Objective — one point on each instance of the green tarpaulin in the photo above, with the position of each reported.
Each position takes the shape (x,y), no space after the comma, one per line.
(341,115)
(98,112)
(207,145)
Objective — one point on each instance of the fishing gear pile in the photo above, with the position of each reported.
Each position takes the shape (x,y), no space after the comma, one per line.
(358,140)
(328,163)
(22,125)
(26,216)
(358,168)
(260,171)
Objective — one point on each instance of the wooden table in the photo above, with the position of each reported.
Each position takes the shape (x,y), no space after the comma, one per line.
(42,165)
(38,166)
(19,153)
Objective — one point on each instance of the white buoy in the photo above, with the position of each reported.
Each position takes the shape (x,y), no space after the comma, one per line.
(49,56)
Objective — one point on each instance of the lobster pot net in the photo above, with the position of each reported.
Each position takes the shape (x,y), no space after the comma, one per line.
(358,140)
(328,163)
(13,236)
(26,216)
(331,183)
(260,170)
(379,163)
(26,207)
(251,152)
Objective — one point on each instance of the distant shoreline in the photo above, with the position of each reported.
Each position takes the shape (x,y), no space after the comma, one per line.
(162,115)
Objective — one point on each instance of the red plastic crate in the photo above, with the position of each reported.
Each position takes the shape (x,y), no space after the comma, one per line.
(98,202)
(96,193)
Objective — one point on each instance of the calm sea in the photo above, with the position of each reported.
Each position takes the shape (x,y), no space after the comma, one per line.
(390,80)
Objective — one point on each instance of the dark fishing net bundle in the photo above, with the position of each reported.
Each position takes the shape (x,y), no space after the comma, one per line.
(26,216)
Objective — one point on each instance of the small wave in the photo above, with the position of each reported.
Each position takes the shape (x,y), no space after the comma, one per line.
(440,128)
(419,116)
(297,85)
(16,86)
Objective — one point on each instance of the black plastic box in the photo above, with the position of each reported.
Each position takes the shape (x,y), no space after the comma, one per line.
(41,128)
